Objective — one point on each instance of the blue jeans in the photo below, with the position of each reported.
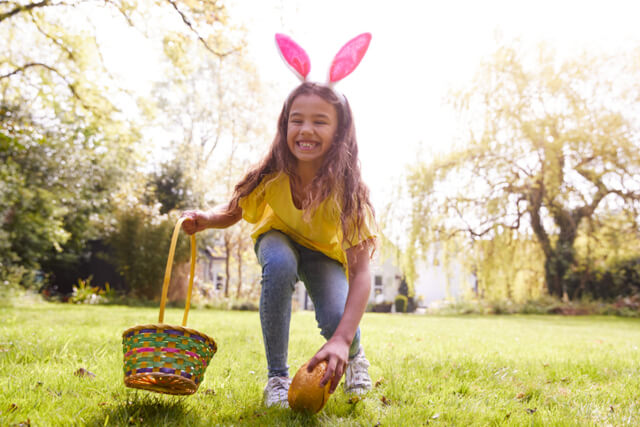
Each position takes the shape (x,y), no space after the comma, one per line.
(284,262)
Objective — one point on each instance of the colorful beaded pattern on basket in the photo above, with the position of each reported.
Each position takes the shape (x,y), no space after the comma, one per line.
(167,349)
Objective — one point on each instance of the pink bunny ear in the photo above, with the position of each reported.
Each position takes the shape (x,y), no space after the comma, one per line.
(294,55)
(348,58)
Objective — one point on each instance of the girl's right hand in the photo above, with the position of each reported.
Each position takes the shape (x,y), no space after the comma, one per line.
(195,221)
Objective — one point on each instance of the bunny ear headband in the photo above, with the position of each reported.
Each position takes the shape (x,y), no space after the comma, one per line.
(345,61)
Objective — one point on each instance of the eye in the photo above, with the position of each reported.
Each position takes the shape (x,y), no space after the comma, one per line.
(320,122)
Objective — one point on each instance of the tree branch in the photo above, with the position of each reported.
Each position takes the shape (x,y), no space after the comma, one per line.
(53,39)
(24,8)
(188,23)
(535,204)
(69,85)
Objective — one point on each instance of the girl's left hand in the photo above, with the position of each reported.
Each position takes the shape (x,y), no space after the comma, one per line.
(336,353)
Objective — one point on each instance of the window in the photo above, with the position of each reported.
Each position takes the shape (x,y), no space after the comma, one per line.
(219,282)
(377,285)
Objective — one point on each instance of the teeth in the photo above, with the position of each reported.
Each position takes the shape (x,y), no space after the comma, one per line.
(307,145)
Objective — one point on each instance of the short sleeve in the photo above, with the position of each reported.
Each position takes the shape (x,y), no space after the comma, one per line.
(368,230)
(253,204)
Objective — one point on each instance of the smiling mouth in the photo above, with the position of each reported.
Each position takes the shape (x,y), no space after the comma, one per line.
(307,145)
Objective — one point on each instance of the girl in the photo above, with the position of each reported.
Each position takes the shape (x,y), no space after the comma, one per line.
(313,222)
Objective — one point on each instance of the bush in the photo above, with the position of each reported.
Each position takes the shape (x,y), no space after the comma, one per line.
(401,303)
(140,243)
(84,293)
(383,307)
(617,279)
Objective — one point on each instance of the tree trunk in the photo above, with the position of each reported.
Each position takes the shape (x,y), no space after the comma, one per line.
(239,254)
(227,259)
(556,266)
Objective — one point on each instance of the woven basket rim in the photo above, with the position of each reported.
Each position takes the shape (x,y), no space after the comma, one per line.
(167,326)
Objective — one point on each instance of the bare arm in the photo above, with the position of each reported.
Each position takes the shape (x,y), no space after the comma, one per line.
(219,217)
(336,349)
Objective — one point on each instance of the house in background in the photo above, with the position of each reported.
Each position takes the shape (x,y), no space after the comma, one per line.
(211,269)
(435,284)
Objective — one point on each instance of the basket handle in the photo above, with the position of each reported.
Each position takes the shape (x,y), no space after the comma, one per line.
(167,273)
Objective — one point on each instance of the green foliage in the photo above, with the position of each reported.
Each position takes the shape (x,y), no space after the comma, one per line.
(548,146)
(56,189)
(171,186)
(622,306)
(141,240)
(615,279)
(65,149)
(509,266)
(401,303)
(84,293)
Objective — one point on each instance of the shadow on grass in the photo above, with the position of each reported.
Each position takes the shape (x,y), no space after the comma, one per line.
(146,410)
(159,410)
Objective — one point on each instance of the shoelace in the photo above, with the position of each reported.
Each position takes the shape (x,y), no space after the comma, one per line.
(279,388)
(356,369)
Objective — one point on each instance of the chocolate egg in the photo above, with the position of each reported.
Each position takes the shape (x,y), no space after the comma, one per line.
(305,391)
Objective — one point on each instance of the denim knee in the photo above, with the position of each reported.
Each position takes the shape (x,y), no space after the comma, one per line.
(328,321)
(278,259)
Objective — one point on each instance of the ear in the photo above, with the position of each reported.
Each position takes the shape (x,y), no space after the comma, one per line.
(294,56)
(348,58)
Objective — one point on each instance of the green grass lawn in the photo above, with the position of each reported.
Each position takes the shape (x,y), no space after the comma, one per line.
(435,370)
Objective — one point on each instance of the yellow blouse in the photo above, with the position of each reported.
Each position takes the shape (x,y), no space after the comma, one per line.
(270,207)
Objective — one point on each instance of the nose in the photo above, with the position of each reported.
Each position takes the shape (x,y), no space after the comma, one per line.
(307,128)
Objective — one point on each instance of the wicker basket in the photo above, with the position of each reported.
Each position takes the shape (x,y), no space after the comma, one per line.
(167,358)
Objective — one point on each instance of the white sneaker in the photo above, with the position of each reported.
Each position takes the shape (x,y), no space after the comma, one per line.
(276,392)
(357,379)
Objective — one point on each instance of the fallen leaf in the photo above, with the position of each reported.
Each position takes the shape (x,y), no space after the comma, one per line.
(13,407)
(84,373)
(353,399)
(379,382)
(520,395)
(531,411)
(385,401)
(210,392)
(103,404)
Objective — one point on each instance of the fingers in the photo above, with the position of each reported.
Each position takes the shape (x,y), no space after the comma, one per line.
(335,370)
(190,224)
(336,357)
(329,373)
(314,361)
(337,376)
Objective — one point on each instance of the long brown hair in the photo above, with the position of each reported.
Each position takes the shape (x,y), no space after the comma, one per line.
(338,177)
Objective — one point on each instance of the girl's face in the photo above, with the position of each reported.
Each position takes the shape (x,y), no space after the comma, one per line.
(311,127)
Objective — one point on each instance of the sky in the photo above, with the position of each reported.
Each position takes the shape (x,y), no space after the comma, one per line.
(420,51)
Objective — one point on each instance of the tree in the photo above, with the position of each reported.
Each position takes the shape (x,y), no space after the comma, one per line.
(64,144)
(548,145)
(214,125)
